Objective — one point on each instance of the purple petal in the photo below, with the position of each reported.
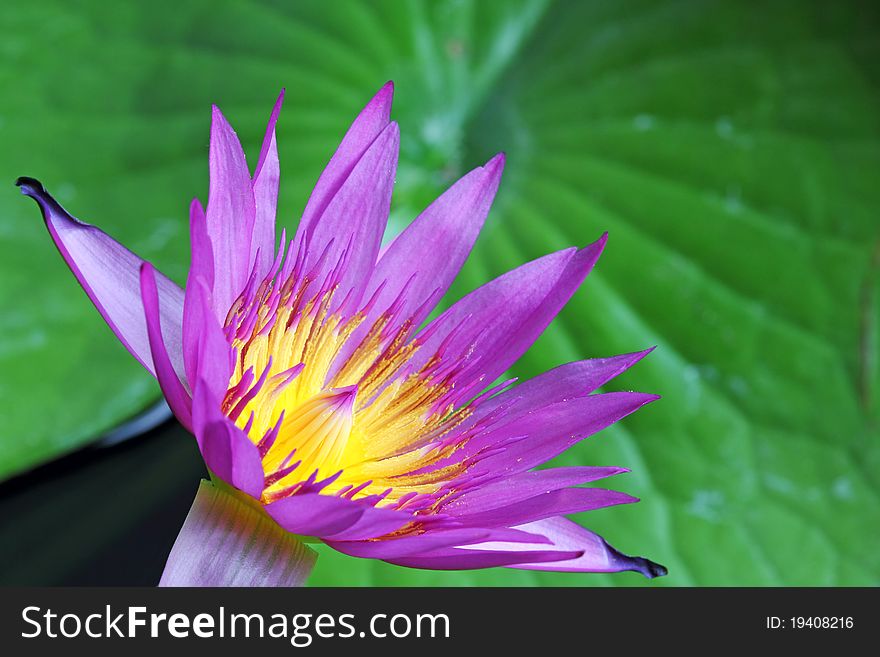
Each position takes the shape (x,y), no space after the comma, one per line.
(110,275)
(226,541)
(207,354)
(372,120)
(426,257)
(549,431)
(570,380)
(201,253)
(436,245)
(350,229)
(522,486)
(517,444)
(334,518)
(419,544)
(546,505)
(464,559)
(174,390)
(201,267)
(265,188)
(230,214)
(495,324)
(598,556)
(227,450)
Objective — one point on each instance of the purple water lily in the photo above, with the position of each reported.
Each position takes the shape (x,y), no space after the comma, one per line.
(321,404)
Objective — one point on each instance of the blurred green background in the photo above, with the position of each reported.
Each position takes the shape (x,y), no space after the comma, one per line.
(731,149)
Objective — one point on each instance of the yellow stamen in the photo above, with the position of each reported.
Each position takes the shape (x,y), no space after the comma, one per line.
(366,420)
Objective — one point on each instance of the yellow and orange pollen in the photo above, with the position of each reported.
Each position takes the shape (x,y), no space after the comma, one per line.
(368,422)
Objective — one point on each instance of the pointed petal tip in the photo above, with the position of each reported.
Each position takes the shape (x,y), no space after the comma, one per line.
(593,250)
(493,169)
(646,567)
(347,391)
(218,118)
(382,100)
(391,137)
(29,186)
(496,162)
(634,357)
(34,189)
(48,205)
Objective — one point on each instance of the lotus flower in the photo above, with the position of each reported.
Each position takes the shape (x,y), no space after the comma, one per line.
(324,408)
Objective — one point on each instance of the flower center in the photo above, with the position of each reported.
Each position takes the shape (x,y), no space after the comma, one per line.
(333,404)
(320,429)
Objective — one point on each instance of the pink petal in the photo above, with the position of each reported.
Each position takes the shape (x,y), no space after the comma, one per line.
(549,431)
(227,450)
(372,120)
(427,256)
(597,557)
(174,390)
(494,325)
(265,189)
(230,214)
(522,486)
(207,354)
(347,236)
(436,245)
(577,379)
(419,544)
(334,518)
(110,275)
(463,559)
(545,505)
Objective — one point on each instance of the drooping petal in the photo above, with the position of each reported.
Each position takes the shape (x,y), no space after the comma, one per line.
(372,120)
(489,329)
(522,486)
(598,556)
(226,449)
(334,518)
(229,215)
(265,188)
(347,235)
(226,541)
(110,275)
(463,559)
(173,388)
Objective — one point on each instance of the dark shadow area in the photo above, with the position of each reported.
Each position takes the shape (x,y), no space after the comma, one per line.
(101,516)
